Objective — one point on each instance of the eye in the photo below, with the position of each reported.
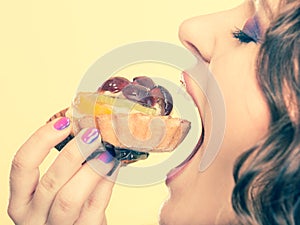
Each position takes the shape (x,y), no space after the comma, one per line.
(242,36)
(250,32)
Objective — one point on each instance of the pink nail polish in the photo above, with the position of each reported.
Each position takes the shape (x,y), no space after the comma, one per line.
(106,157)
(62,123)
(90,135)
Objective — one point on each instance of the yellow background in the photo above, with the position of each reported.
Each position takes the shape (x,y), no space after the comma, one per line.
(47,46)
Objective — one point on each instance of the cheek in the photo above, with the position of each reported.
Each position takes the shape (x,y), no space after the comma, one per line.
(247,113)
(247,119)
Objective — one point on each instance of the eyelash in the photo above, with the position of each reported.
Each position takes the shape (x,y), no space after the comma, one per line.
(242,36)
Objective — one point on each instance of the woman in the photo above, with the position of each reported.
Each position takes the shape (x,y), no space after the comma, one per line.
(253,52)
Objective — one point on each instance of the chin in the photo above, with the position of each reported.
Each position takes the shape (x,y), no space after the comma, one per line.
(169,215)
(175,212)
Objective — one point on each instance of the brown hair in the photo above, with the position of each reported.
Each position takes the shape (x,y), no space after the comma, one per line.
(267,189)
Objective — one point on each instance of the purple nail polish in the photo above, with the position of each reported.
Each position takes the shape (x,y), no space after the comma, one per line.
(90,135)
(62,123)
(106,157)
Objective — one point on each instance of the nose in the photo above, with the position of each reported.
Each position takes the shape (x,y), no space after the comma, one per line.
(197,35)
(210,35)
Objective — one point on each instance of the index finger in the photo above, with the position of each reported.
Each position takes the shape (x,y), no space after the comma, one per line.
(24,173)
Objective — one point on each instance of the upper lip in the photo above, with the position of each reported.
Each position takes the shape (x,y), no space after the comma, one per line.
(184,81)
(199,143)
(201,138)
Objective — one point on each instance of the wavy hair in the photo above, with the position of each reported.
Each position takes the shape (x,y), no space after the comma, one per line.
(267,176)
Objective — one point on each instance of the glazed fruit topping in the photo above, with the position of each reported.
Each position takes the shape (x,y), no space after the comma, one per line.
(144,81)
(141,90)
(114,84)
(93,103)
(163,98)
(138,93)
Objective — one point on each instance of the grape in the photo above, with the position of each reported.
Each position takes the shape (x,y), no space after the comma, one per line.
(114,84)
(163,98)
(142,90)
(147,101)
(144,81)
(138,93)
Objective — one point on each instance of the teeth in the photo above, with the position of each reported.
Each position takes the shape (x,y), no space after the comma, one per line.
(182,81)
(183,86)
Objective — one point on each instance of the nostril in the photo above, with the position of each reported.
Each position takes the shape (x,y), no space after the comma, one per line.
(196,51)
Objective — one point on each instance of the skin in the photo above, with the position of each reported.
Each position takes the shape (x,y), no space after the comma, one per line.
(205,197)
(195,198)
(52,199)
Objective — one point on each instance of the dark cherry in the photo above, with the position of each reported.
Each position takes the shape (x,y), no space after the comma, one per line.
(138,93)
(114,84)
(163,97)
(144,81)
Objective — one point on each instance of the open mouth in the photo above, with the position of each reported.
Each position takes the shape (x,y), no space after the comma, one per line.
(178,169)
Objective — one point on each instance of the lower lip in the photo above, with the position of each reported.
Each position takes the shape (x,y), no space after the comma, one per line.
(179,169)
(174,173)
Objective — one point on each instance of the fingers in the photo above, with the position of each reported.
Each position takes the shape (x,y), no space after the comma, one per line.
(92,212)
(60,196)
(24,173)
(68,202)
(67,163)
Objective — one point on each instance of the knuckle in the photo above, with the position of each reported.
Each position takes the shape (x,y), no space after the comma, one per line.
(17,162)
(65,204)
(49,183)
(13,214)
(92,205)
(96,204)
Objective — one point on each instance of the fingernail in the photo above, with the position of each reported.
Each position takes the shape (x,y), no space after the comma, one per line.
(90,135)
(106,157)
(62,123)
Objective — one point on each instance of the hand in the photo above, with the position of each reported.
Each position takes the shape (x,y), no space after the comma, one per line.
(69,192)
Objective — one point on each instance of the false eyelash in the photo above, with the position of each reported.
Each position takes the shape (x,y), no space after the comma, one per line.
(242,36)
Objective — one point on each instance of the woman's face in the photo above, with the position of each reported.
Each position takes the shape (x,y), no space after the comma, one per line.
(205,197)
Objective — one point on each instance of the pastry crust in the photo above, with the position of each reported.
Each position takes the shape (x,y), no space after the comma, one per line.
(136,131)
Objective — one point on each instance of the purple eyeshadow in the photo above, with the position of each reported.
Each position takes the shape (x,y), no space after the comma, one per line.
(252,28)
